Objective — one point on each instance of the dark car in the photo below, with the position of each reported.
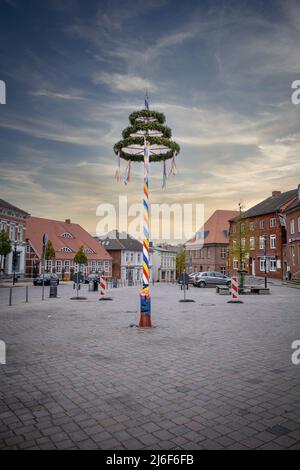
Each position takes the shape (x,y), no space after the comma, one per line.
(207,279)
(47,278)
(92,278)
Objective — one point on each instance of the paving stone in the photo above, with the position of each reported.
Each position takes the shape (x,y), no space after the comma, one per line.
(205,378)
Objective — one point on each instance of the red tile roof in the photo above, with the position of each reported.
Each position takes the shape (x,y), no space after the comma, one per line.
(36,227)
(216,228)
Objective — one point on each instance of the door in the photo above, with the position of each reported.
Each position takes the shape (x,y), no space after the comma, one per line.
(253,267)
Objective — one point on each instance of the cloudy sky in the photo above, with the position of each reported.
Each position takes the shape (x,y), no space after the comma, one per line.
(220,70)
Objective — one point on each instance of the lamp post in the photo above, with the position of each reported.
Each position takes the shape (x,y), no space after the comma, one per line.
(265,256)
(14,262)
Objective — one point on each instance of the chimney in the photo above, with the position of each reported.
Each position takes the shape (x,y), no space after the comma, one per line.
(276,193)
(68,221)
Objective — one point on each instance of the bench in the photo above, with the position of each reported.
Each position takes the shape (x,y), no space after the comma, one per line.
(222,290)
(260,290)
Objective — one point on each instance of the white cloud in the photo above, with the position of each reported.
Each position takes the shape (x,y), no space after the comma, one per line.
(119,82)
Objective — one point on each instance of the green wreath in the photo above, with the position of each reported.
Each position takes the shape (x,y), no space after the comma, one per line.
(138,124)
(160,117)
(143,126)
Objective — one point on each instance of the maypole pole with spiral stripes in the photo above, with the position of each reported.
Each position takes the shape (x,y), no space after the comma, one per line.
(145,318)
(146,140)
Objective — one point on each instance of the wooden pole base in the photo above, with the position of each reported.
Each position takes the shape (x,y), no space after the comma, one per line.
(145,321)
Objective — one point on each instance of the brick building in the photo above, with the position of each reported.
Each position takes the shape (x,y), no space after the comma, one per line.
(214,239)
(13,220)
(263,231)
(67,238)
(292,248)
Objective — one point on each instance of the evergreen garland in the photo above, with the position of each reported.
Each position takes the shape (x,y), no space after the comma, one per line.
(140,123)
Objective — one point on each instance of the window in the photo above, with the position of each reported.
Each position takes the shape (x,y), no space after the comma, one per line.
(272,223)
(261,224)
(261,243)
(262,264)
(273,242)
(49,266)
(94,266)
(3,225)
(292,226)
(58,266)
(20,232)
(243,244)
(127,257)
(106,266)
(242,228)
(293,255)
(67,235)
(67,266)
(65,249)
(223,252)
(131,257)
(251,226)
(12,234)
(235,264)
(223,270)
(139,258)
(273,265)
(89,251)
(27,249)
(252,243)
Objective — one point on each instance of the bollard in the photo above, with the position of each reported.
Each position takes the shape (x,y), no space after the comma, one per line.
(235,291)
(27,292)
(10,296)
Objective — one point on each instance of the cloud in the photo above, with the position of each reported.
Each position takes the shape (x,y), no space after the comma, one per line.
(57,95)
(119,82)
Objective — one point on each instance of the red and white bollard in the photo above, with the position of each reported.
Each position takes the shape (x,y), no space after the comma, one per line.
(235,291)
(103,288)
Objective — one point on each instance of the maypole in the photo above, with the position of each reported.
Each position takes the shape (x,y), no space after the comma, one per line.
(145,318)
(146,140)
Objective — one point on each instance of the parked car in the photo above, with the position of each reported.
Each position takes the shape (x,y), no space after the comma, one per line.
(38,281)
(91,278)
(206,279)
(192,277)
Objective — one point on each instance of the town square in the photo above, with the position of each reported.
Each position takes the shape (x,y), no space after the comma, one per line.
(149,228)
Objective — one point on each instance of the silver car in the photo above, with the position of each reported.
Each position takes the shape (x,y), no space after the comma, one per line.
(211,278)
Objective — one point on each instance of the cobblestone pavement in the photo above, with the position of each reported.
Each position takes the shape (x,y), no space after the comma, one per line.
(211,375)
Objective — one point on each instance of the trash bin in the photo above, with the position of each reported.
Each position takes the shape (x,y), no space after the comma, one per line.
(53,289)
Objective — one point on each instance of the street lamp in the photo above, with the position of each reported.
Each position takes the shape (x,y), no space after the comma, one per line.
(14,262)
(265,256)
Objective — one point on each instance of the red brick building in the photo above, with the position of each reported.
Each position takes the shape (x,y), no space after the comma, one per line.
(13,220)
(214,239)
(263,223)
(292,247)
(66,238)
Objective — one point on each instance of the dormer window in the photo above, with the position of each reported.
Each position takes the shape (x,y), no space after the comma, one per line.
(65,249)
(66,235)
(89,251)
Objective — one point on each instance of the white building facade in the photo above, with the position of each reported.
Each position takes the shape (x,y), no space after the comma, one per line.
(164,265)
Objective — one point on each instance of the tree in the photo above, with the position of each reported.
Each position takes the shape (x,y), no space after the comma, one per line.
(5,247)
(239,246)
(181,262)
(80,257)
(50,252)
